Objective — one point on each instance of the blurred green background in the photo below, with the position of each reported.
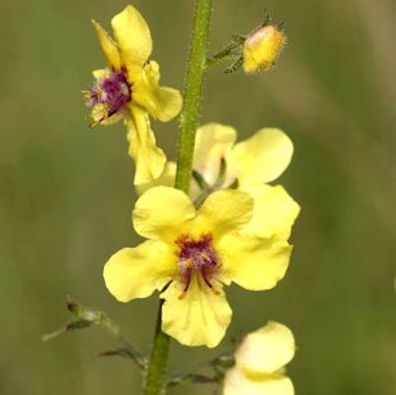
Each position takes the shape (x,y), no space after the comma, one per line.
(66,191)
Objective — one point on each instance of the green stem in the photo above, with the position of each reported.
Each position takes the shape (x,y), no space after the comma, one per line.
(155,382)
(193,92)
(156,372)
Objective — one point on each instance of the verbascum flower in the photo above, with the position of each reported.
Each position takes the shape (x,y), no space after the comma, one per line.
(259,363)
(261,49)
(128,89)
(190,255)
(249,166)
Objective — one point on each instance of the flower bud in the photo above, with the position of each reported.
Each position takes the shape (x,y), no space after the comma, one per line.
(267,349)
(261,48)
(260,363)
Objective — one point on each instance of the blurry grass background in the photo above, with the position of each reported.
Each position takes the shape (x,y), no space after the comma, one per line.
(66,192)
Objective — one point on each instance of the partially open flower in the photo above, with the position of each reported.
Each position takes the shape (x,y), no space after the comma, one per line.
(259,363)
(249,165)
(261,48)
(128,89)
(194,253)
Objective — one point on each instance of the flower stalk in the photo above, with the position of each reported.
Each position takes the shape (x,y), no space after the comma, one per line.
(156,373)
(155,382)
(192,96)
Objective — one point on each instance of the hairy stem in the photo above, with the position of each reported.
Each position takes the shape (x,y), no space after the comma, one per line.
(155,383)
(193,93)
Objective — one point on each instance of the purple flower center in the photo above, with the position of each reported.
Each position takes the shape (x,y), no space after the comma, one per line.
(199,256)
(112,90)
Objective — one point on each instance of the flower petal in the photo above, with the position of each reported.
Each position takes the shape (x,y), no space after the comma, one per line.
(133,35)
(266,350)
(137,272)
(160,213)
(237,383)
(162,103)
(109,47)
(199,317)
(166,179)
(213,141)
(225,211)
(150,159)
(253,263)
(274,211)
(263,157)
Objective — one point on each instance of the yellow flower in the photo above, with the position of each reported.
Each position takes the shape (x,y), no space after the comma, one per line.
(261,48)
(128,89)
(260,361)
(194,253)
(249,165)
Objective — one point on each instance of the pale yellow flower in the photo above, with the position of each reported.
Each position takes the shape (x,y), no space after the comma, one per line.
(249,166)
(194,253)
(262,48)
(259,363)
(128,89)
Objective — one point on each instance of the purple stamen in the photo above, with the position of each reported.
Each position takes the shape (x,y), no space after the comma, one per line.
(197,255)
(112,90)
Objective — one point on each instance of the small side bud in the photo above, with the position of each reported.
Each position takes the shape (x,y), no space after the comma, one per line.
(262,48)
